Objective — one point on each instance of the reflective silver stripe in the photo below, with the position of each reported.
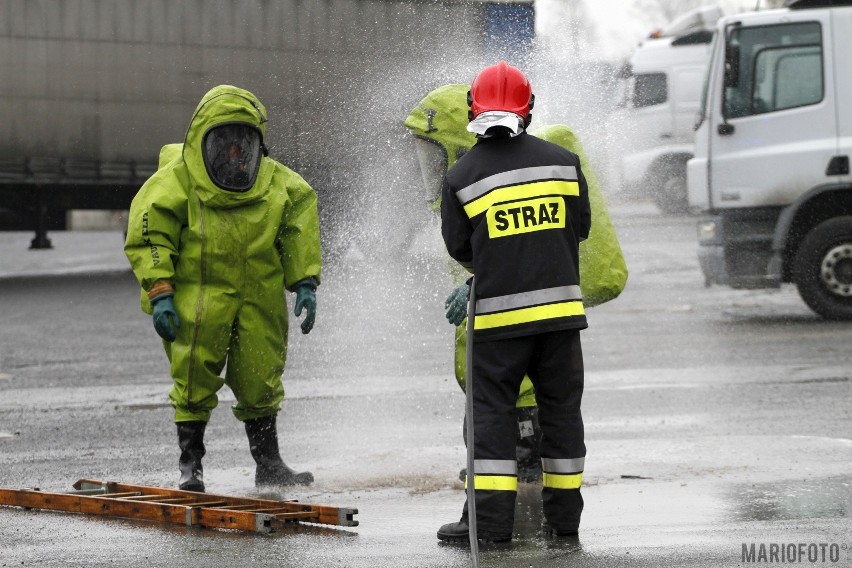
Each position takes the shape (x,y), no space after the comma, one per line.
(526,299)
(525,175)
(574,465)
(495,467)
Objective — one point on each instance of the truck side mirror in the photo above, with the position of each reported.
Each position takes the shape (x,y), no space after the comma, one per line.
(732,65)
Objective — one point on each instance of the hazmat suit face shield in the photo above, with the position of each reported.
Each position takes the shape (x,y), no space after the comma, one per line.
(232,154)
(433,166)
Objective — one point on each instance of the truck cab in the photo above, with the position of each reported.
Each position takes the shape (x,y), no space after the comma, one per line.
(661,90)
(772,146)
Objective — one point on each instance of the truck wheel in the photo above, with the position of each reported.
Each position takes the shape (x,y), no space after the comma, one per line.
(822,269)
(670,195)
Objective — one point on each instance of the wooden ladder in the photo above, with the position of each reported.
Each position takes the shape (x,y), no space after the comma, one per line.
(122,500)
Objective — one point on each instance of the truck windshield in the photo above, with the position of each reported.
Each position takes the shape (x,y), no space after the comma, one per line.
(649,89)
(780,67)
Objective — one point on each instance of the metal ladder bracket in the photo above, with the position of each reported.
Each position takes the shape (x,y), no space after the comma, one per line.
(347,517)
(264,523)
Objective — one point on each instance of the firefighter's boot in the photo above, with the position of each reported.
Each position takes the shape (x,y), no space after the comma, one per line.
(460,532)
(191,443)
(527,448)
(263,443)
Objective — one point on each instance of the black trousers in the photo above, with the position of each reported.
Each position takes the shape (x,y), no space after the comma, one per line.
(554,363)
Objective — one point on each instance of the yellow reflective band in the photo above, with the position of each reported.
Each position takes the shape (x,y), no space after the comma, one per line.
(494,482)
(525,216)
(526,315)
(559,481)
(523,191)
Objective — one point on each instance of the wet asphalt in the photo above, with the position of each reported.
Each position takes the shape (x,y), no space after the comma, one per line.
(716,420)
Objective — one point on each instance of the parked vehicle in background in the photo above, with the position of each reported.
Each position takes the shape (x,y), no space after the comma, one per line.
(92,90)
(771,165)
(653,128)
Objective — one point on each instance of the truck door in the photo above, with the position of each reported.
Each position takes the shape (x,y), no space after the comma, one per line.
(776,129)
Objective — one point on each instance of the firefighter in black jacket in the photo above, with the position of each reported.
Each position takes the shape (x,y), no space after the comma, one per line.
(514,210)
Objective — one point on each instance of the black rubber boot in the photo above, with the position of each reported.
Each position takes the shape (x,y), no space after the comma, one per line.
(527,449)
(460,532)
(549,531)
(191,443)
(263,443)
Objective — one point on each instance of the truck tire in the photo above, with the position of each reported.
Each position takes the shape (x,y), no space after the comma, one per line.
(822,269)
(670,191)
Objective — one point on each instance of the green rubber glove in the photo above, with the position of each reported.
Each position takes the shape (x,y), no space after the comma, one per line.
(166,320)
(306,297)
(456,304)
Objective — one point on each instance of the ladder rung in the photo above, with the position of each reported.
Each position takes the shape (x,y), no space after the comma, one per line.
(173,500)
(87,492)
(208,504)
(144,498)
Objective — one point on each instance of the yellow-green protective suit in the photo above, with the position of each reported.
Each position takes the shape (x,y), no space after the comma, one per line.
(229,257)
(441,117)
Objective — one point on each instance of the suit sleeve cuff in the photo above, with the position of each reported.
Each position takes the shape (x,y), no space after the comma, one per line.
(159,288)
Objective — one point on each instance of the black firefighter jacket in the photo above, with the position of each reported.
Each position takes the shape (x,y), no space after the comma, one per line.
(514,211)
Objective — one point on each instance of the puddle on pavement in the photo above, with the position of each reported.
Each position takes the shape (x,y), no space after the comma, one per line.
(789,500)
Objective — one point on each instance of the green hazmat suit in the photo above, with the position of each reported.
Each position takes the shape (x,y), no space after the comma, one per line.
(442,118)
(228,256)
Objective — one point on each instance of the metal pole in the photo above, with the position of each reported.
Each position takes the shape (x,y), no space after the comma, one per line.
(471,492)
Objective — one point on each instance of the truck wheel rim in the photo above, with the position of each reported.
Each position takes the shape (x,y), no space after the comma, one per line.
(836,270)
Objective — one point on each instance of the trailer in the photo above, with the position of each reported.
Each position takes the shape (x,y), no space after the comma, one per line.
(92,89)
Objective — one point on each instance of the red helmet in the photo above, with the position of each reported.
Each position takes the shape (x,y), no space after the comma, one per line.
(501,87)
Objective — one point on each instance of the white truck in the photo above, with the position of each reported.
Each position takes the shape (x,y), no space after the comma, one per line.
(772,147)
(652,130)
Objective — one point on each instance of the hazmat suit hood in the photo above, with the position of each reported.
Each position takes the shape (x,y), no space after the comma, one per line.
(441,119)
(225,105)
(168,154)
